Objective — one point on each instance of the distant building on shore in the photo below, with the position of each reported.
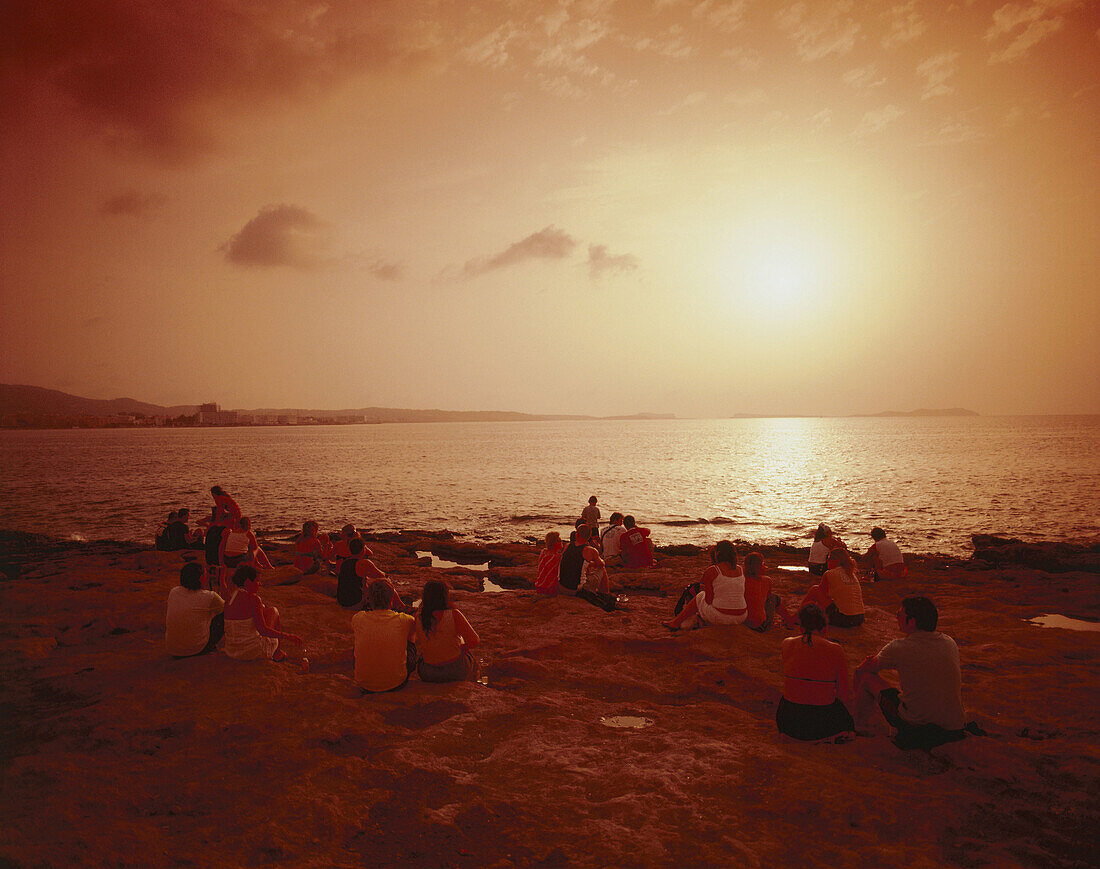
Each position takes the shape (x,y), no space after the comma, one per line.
(212,414)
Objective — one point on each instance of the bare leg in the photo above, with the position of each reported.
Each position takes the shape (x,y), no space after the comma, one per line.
(689,611)
(262,561)
(865,690)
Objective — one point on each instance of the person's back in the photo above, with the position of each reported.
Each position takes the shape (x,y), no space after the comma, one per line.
(845,591)
(381,642)
(177,533)
(634,546)
(927,663)
(612,541)
(349,584)
(546,577)
(814,675)
(886,558)
(572,562)
(187,620)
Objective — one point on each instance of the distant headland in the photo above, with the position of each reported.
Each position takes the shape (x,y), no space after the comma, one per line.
(38,407)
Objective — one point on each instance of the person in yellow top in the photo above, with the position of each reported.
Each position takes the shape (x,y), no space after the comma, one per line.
(443,638)
(384,655)
(839,593)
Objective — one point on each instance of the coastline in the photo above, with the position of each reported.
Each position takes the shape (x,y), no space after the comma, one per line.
(116,754)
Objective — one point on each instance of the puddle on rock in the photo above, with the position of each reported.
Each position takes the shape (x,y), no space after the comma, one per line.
(627,722)
(443,564)
(1053,620)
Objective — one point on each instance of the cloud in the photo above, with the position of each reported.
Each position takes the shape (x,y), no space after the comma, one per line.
(156,77)
(492,49)
(132,203)
(600,261)
(725,16)
(877,119)
(820,29)
(386,271)
(1039,19)
(548,244)
(280,235)
(864,77)
(936,71)
(905,25)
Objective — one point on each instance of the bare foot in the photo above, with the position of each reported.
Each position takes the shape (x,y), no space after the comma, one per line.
(671,626)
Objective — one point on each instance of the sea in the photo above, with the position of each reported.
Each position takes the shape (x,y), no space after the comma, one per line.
(931,482)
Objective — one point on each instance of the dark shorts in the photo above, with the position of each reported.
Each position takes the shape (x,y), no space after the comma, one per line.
(459,670)
(913,735)
(811,723)
(817,569)
(234,560)
(838,620)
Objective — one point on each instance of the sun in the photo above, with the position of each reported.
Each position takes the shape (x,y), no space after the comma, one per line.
(779,263)
(782,272)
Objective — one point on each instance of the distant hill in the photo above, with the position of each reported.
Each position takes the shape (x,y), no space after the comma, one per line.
(36,400)
(948,411)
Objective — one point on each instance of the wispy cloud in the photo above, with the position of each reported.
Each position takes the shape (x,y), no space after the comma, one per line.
(386,271)
(905,25)
(280,235)
(600,261)
(492,49)
(550,243)
(864,77)
(936,71)
(1040,19)
(876,120)
(726,16)
(131,203)
(819,29)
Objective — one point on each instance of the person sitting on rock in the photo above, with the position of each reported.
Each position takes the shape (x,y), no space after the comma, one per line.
(192,538)
(194,622)
(252,629)
(611,539)
(546,577)
(928,710)
(721,598)
(310,551)
(239,546)
(635,545)
(443,638)
(384,652)
(884,559)
(762,602)
(815,683)
(340,547)
(582,572)
(819,552)
(839,593)
(355,571)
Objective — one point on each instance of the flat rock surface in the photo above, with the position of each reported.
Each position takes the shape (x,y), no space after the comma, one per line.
(115,754)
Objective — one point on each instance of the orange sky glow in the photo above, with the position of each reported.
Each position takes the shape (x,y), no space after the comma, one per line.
(686,206)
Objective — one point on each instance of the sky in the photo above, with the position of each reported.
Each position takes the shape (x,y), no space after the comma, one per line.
(697,207)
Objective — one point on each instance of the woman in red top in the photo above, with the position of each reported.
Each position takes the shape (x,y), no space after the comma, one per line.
(762,602)
(815,683)
(546,579)
(309,550)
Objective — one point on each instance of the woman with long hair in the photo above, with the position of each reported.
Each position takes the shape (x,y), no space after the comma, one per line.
(309,550)
(762,602)
(443,638)
(815,683)
(721,600)
(546,578)
(839,593)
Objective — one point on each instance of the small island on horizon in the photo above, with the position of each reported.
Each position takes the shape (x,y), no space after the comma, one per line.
(38,407)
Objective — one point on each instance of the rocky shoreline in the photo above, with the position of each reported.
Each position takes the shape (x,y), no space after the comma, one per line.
(115,754)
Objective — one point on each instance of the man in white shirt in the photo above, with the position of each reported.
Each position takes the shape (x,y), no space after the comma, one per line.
(609,542)
(884,559)
(193,623)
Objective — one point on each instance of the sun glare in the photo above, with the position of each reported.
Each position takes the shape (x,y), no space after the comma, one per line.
(779,264)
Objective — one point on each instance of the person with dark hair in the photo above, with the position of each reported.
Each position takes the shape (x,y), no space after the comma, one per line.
(635,546)
(382,638)
(591,516)
(884,558)
(239,545)
(443,638)
(761,601)
(839,593)
(193,623)
(341,546)
(546,575)
(309,550)
(815,683)
(582,572)
(355,570)
(252,630)
(721,598)
(819,551)
(928,710)
(192,539)
(611,538)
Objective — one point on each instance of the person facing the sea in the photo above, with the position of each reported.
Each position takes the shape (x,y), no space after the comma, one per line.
(762,602)
(340,548)
(884,558)
(239,545)
(355,570)
(611,538)
(819,552)
(546,576)
(928,710)
(591,515)
(253,630)
(443,638)
(582,572)
(384,652)
(309,550)
(635,546)
(815,683)
(194,622)
(839,593)
(721,598)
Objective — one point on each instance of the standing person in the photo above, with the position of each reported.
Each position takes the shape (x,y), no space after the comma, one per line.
(839,593)
(721,601)
(884,559)
(611,538)
(443,638)
(815,683)
(253,630)
(761,601)
(194,622)
(546,578)
(591,515)
(635,546)
(928,710)
(384,653)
